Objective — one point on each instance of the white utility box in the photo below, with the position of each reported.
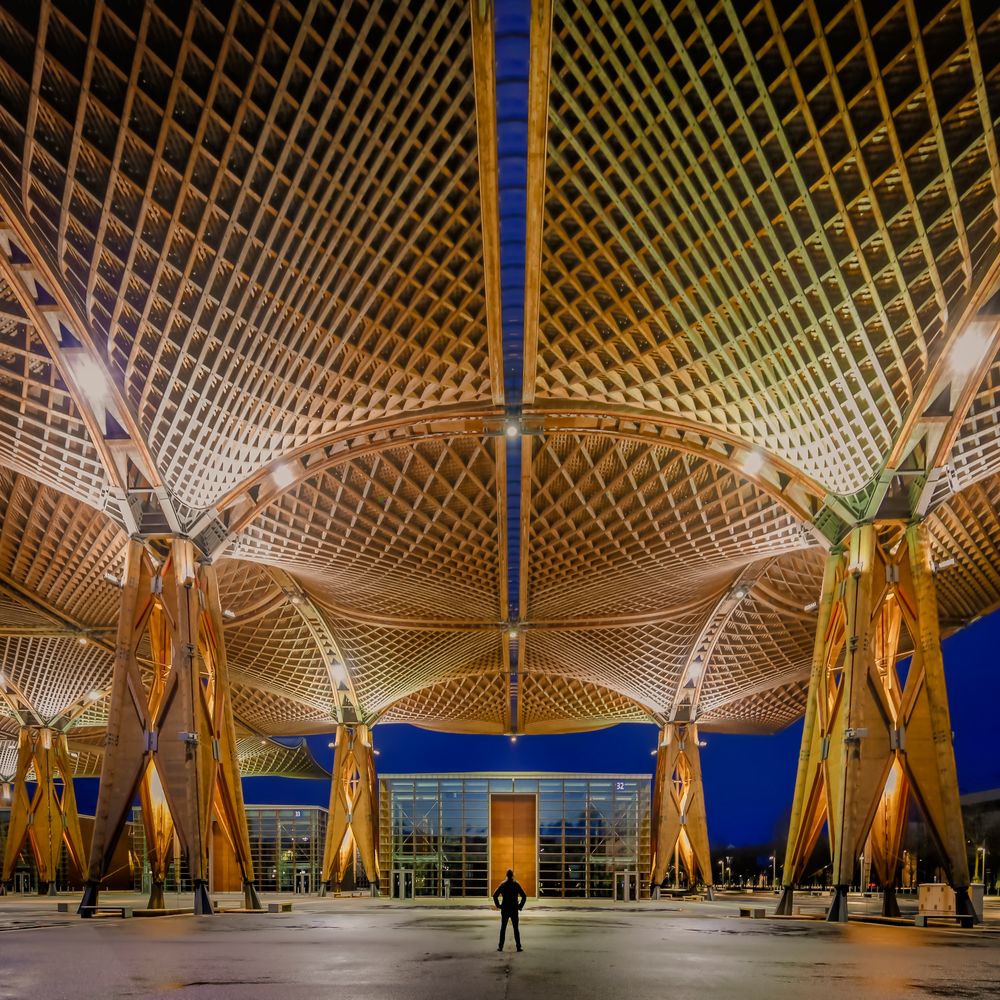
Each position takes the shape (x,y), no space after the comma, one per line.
(938,898)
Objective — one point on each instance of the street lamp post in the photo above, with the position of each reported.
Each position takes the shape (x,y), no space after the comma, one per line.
(774,870)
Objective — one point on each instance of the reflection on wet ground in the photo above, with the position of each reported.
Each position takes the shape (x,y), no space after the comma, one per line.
(363,948)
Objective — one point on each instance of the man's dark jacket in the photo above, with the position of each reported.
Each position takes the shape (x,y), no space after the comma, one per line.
(513,896)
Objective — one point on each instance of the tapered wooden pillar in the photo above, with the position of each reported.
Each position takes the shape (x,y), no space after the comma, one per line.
(174,744)
(47,819)
(353,817)
(679,822)
(868,741)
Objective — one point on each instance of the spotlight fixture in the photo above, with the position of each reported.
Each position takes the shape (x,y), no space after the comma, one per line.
(93,695)
(82,640)
(753,463)
(113,580)
(943,564)
(283,475)
(969,349)
(228,614)
(811,606)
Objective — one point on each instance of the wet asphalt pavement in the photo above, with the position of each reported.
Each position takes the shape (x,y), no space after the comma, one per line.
(377,949)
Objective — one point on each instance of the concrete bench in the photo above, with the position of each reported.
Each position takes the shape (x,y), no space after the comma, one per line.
(962,919)
(753,912)
(122,911)
(62,907)
(283,907)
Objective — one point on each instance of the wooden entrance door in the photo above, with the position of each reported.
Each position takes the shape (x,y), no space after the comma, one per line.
(514,840)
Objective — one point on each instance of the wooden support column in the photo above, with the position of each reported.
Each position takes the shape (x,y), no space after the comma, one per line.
(679,823)
(228,797)
(353,819)
(48,819)
(868,741)
(175,744)
(158,825)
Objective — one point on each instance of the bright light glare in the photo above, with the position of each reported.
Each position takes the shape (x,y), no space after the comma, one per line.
(968,351)
(93,696)
(512,430)
(753,463)
(92,379)
(283,475)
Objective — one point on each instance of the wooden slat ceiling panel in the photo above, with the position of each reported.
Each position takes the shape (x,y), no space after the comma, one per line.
(268,712)
(54,673)
(60,550)
(759,228)
(759,242)
(762,712)
(641,662)
(271,221)
(560,704)
(265,757)
(758,645)
(977,450)
(41,431)
(407,531)
(967,529)
(390,663)
(475,703)
(621,528)
(277,651)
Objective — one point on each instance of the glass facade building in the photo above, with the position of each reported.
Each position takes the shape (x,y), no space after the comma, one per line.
(286,845)
(585,834)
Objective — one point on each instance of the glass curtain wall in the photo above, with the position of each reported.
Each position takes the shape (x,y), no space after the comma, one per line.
(286,845)
(434,832)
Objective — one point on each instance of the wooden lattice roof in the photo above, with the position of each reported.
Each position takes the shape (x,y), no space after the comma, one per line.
(254,288)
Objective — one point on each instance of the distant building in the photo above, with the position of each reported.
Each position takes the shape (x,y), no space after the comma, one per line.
(565,835)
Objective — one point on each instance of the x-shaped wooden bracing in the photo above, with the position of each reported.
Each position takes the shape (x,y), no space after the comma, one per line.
(679,822)
(869,739)
(178,737)
(47,819)
(353,816)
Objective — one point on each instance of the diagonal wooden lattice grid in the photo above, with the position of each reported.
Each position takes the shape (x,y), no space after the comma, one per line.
(760,223)
(764,712)
(618,527)
(475,703)
(557,704)
(60,550)
(270,218)
(54,672)
(390,663)
(404,531)
(41,431)
(640,661)
(275,652)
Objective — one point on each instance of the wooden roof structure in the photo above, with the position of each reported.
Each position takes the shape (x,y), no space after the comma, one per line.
(260,285)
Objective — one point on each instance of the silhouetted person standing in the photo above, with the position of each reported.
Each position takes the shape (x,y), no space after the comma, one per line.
(510,897)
